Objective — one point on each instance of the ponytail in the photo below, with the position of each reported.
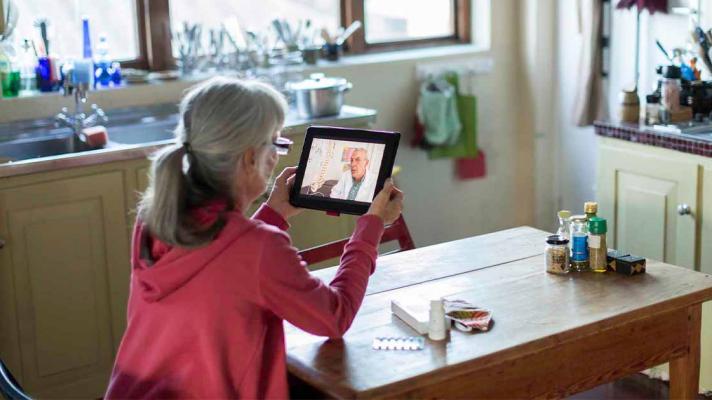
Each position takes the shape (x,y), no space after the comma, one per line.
(164,205)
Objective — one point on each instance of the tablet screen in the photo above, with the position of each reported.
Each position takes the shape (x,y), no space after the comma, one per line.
(342,169)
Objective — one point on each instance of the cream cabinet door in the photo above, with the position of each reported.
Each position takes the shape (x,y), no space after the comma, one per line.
(640,195)
(68,255)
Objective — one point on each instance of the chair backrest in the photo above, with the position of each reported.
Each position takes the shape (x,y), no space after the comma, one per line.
(396,231)
(9,388)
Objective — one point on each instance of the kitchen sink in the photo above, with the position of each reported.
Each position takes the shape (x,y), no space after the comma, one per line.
(144,132)
(43,146)
(26,140)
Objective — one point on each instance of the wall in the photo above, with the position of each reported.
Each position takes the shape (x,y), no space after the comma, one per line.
(576,158)
(438,207)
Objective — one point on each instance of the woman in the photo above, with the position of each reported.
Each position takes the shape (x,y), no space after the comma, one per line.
(209,287)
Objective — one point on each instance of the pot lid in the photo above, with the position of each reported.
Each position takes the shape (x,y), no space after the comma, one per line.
(318,81)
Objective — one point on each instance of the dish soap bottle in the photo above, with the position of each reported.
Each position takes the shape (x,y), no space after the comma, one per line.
(107,72)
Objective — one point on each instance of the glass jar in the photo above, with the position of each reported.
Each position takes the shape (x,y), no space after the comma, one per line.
(652,109)
(557,255)
(579,243)
(670,89)
(564,224)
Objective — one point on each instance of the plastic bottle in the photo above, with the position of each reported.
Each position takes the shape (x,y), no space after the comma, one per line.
(436,323)
(28,62)
(103,65)
(9,74)
(86,39)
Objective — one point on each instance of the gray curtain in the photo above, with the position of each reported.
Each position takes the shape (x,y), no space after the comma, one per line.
(590,97)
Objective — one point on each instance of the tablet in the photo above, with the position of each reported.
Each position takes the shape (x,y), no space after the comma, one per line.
(342,169)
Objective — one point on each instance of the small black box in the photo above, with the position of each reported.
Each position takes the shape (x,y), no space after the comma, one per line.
(611,258)
(629,265)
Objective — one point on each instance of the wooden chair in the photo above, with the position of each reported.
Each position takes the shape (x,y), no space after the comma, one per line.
(9,388)
(396,231)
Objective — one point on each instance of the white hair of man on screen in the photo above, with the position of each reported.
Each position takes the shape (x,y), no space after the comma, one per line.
(358,171)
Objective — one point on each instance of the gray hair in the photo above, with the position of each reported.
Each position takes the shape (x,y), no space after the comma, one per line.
(221,118)
(361,149)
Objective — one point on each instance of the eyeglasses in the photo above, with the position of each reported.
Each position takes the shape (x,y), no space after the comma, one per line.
(282,145)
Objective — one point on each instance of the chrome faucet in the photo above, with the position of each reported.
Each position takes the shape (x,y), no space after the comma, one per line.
(78,121)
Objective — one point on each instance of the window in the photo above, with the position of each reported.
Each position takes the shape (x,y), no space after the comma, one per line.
(397,24)
(255,15)
(117,19)
(400,20)
(139,31)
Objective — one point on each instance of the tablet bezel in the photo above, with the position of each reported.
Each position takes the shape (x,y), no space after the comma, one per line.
(390,139)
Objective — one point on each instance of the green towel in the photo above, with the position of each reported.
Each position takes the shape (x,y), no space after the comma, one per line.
(466,145)
(437,110)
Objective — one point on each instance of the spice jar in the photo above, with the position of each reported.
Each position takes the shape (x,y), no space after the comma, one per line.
(629,110)
(652,109)
(597,249)
(557,254)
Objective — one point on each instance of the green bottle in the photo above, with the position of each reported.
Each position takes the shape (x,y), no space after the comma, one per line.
(10,78)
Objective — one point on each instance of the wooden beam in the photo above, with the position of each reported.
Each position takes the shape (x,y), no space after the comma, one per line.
(158,35)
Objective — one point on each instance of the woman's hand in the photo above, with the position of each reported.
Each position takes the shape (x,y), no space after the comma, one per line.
(388,204)
(279,197)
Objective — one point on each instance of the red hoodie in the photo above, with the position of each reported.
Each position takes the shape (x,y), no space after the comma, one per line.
(207,323)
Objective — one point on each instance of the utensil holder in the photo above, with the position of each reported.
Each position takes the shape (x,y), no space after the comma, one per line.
(333,51)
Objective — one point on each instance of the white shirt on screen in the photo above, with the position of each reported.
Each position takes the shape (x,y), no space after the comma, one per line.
(343,187)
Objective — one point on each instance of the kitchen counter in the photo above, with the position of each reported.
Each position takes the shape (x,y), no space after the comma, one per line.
(350,116)
(698,144)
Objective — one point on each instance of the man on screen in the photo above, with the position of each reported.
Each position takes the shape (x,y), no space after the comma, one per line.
(356,183)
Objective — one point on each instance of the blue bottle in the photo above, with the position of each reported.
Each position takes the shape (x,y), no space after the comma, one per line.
(87,53)
(579,243)
(103,66)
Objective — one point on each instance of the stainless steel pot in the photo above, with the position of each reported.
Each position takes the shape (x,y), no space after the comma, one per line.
(319,96)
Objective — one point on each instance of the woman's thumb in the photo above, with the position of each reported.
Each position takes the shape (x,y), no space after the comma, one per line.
(387,188)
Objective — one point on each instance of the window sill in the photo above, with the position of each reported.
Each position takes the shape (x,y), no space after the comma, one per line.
(400,55)
(155,92)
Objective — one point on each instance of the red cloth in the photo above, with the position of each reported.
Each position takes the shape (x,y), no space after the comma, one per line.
(207,322)
(651,5)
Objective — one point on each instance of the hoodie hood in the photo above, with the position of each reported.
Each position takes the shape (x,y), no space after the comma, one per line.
(159,274)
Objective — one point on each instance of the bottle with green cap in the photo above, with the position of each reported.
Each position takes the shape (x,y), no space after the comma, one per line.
(597,249)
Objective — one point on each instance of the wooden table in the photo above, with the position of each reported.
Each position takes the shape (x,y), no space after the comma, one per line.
(553,335)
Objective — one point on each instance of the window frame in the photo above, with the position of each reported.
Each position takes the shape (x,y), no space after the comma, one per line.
(154,33)
(354,10)
(154,36)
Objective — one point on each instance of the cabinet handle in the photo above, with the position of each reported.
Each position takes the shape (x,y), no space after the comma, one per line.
(684,209)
